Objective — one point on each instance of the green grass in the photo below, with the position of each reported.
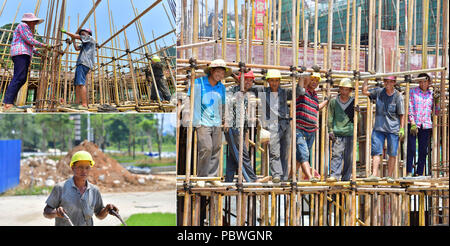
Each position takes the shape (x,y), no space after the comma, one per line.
(153,219)
(166,147)
(42,190)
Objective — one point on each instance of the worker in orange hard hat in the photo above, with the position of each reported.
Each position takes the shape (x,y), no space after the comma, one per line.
(236,96)
(76,200)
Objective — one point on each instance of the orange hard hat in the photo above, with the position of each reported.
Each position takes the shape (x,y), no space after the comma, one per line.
(247,75)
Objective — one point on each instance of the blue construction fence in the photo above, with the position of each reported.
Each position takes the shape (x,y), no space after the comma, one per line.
(9,164)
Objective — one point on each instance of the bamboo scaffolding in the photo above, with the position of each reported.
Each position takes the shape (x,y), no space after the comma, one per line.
(109,81)
(298,202)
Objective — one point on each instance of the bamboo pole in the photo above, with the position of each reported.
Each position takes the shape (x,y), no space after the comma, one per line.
(3,7)
(224,29)
(133,76)
(293,114)
(236,30)
(131,22)
(316,22)
(347,33)
(425,10)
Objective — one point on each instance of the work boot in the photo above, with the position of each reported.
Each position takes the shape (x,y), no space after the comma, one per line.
(390,180)
(331,179)
(409,175)
(201,184)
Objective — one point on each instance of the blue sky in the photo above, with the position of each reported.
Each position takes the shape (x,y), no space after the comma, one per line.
(153,21)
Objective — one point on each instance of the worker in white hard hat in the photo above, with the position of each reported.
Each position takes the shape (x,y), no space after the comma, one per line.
(208,118)
(340,130)
(160,81)
(76,197)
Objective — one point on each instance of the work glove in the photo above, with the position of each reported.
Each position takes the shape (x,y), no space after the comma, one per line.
(414,129)
(63,31)
(331,136)
(401,133)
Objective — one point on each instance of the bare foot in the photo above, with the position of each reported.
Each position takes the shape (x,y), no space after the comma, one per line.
(7,106)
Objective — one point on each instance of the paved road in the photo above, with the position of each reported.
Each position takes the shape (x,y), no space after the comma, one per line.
(27,210)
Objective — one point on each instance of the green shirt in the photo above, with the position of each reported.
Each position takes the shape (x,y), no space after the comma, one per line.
(338,120)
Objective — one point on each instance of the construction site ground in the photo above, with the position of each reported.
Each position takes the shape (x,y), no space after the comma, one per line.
(27,210)
(108,174)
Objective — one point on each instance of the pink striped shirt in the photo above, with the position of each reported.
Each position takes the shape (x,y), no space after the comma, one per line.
(420,107)
(23,42)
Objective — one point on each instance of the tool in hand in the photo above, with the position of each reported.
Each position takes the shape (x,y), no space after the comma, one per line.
(113,212)
(68,219)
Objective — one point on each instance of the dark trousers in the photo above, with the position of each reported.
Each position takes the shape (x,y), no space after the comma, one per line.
(163,91)
(21,65)
(232,137)
(423,136)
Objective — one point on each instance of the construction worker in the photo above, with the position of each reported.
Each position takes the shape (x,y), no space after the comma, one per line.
(307,110)
(22,49)
(389,125)
(420,124)
(158,73)
(208,117)
(76,197)
(340,129)
(232,130)
(276,120)
(85,63)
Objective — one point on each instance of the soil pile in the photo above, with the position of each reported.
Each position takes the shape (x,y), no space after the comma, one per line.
(107,173)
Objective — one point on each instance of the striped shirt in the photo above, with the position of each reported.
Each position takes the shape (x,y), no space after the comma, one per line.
(23,42)
(307,109)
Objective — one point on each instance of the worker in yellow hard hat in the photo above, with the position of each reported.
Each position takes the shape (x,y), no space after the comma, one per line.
(276,120)
(160,84)
(76,200)
(340,130)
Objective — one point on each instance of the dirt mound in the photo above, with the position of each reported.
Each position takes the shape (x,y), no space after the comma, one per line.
(107,173)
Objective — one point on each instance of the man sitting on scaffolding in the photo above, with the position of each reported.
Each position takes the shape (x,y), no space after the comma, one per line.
(208,117)
(389,124)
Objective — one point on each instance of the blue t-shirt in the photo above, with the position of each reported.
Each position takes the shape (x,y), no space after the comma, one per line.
(389,110)
(208,102)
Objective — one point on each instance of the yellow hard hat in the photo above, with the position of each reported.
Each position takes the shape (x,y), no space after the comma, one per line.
(156,58)
(82,156)
(346,82)
(316,75)
(273,74)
